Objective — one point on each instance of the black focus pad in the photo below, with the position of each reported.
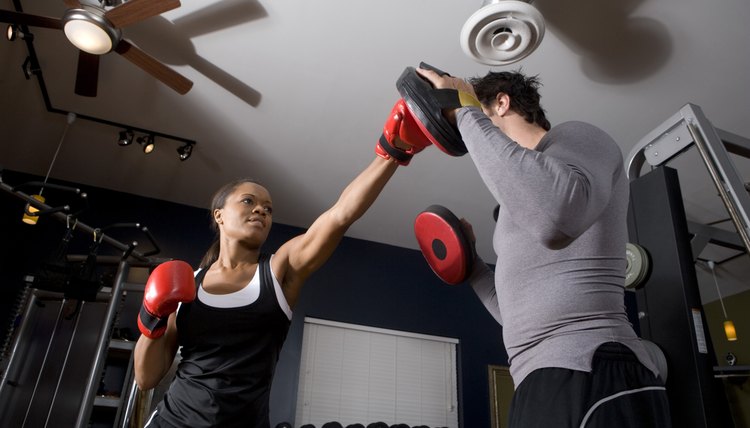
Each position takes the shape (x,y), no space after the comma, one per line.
(444,244)
(426,105)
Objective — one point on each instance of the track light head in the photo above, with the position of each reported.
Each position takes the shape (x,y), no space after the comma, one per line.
(185,151)
(147,141)
(126,137)
(14,32)
(11,32)
(29,67)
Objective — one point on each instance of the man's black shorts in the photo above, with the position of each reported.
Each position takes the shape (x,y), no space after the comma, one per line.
(618,393)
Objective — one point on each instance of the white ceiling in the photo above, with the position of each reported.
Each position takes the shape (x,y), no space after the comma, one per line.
(294,93)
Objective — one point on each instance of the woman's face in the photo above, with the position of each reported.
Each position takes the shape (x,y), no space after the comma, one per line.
(247,214)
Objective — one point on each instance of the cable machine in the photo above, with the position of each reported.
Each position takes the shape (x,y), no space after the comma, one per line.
(669,307)
(54,365)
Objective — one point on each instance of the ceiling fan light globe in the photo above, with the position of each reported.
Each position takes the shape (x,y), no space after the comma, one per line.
(88,37)
(90,32)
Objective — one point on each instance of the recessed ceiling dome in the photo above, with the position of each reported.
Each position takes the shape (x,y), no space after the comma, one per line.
(502,32)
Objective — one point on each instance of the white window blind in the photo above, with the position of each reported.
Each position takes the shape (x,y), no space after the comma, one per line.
(356,374)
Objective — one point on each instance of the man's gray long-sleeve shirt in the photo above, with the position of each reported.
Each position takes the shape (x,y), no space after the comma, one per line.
(560,243)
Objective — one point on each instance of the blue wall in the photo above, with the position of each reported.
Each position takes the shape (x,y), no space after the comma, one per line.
(363,283)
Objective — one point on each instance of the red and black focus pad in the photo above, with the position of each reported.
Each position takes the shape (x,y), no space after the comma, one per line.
(444,244)
(426,104)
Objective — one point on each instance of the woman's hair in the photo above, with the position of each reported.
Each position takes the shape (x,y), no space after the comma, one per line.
(217,202)
(523,92)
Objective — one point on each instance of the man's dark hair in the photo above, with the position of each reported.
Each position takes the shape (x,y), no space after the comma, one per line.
(523,92)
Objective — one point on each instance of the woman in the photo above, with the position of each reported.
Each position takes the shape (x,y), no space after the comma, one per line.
(231,334)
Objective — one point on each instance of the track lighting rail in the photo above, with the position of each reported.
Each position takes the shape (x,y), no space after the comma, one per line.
(31,68)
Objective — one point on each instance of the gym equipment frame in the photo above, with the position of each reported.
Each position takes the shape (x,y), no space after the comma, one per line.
(670,311)
(687,128)
(59,353)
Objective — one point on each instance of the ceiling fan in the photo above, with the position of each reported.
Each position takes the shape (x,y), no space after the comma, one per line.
(96,31)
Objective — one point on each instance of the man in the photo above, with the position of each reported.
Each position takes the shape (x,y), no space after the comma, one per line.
(558,286)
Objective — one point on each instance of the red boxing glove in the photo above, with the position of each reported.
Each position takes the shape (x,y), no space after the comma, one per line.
(402,125)
(170,283)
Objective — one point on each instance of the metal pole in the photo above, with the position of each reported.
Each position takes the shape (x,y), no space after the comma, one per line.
(6,380)
(735,209)
(102,346)
(130,405)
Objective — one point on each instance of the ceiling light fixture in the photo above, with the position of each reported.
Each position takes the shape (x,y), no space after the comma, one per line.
(729,331)
(147,141)
(185,151)
(126,137)
(88,30)
(11,32)
(502,32)
(31,68)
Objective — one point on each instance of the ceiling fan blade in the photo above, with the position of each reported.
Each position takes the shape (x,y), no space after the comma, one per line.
(72,4)
(11,17)
(153,67)
(87,76)
(138,10)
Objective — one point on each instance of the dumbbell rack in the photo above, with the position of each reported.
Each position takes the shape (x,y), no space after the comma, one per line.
(670,312)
